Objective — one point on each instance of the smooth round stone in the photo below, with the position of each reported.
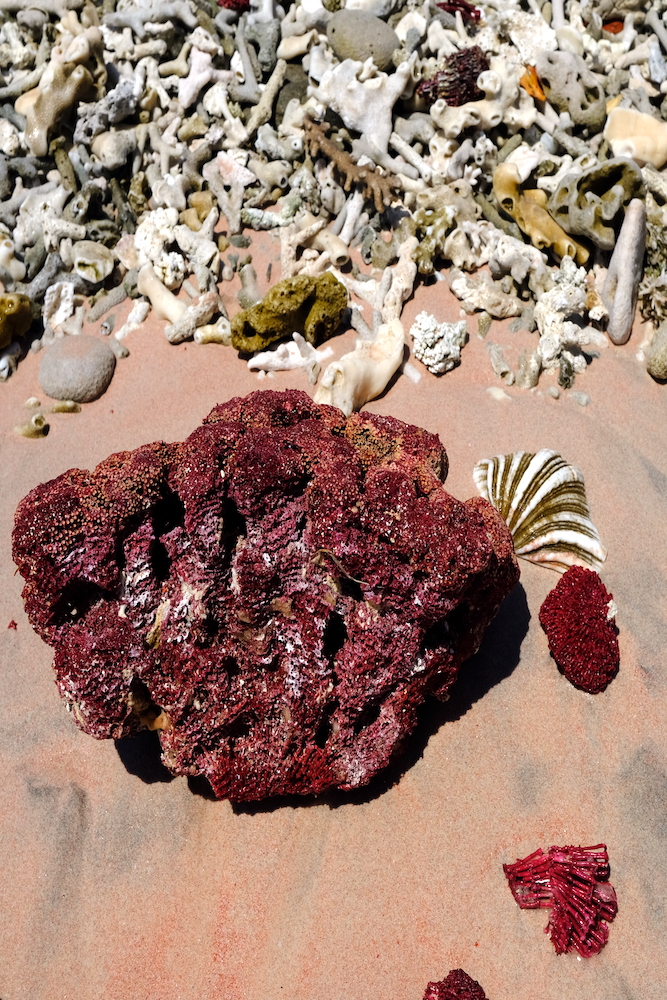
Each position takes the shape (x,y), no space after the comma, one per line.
(354,34)
(78,368)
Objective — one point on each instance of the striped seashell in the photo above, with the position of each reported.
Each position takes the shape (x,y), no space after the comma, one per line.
(543,501)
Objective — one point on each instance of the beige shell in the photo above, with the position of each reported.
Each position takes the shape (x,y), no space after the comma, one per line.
(543,501)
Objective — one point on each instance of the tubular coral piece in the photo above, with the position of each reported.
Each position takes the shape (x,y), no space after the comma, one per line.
(457,986)
(573,881)
(287,586)
(621,287)
(578,618)
(374,185)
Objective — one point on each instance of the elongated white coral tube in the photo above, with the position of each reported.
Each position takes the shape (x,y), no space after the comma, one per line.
(164,303)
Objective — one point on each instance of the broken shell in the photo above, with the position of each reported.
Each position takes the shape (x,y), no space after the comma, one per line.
(93,261)
(543,501)
(36,427)
(640,136)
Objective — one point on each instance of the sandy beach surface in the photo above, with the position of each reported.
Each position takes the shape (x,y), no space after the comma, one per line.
(119,882)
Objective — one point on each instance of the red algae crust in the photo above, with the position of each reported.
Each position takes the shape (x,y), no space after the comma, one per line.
(457,986)
(277,594)
(577,616)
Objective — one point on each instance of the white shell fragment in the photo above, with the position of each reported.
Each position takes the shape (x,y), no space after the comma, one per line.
(543,501)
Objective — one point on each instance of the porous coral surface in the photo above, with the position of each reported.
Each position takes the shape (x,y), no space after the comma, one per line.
(457,986)
(577,616)
(277,594)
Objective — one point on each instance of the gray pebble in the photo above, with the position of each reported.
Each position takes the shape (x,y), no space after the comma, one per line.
(354,34)
(78,368)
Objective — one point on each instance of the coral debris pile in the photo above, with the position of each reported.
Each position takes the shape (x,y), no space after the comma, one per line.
(457,986)
(277,594)
(574,882)
(578,618)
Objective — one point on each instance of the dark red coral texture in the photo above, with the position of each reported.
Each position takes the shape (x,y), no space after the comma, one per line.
(573,881)
(582,637)
(277,594)
(457,986)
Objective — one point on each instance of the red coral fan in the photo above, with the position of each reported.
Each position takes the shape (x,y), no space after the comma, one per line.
(277,594)
(456,82)
(573,881)
(457,986)
(577,616)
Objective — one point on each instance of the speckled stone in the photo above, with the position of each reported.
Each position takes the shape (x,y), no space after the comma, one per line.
(78,368)
(354,34)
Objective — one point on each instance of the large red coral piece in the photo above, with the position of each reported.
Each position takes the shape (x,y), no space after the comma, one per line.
(577,616)
(277,595)
(457,986)
(573,881)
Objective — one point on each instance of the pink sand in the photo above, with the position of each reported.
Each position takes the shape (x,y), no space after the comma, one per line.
(115,887)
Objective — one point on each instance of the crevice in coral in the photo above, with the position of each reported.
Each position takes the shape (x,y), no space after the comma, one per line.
(326,726)
(368,715)
(335,635)
(168,513)
(76,600)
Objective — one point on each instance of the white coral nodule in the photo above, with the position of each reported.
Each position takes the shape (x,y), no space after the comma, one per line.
(438,345)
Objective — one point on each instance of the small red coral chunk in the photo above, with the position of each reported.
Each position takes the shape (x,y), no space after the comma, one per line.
(573,881)
(577,617)
(457,986)
(468,12)
(456,80)
(238,5)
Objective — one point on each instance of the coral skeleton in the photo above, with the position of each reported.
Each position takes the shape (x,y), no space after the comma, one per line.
(438,345)
(276,595)
(574,883)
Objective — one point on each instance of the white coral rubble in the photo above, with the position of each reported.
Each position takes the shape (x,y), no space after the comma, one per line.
(438,345)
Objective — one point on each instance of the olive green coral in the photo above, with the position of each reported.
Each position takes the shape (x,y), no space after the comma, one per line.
(313,307)
(15,317)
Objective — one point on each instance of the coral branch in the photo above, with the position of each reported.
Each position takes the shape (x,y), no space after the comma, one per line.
(573,881)
(376,187)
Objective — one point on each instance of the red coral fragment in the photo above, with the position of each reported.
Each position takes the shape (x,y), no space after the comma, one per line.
(468,12)
(577,616)
(457,986)
(573,881)
(238,5)
(456,81)
(277,595)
